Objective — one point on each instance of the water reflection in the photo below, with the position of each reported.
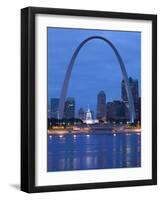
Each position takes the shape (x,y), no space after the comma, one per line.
(96,151)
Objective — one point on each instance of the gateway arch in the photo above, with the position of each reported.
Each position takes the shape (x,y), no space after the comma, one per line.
(64,89)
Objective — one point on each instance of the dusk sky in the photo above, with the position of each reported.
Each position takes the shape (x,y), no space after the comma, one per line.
(96,67)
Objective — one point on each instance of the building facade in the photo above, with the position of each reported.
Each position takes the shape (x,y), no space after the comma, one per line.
(69,108)
(135,93)
(89,117)
(134,89)
(101,106)
(54,105)
(117,111)
(81,114)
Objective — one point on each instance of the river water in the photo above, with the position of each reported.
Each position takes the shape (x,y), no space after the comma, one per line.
(93,151)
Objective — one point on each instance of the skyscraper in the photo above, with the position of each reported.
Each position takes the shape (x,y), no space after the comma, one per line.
(135,93)
(69,108)
(134,89)
(117,110)
(101,105)
(81,114)
(54,107)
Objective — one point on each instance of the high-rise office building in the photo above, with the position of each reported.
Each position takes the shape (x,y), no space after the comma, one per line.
(117,110)
(134,89)
(101,106)
(135,93)
(69,108)
(54,105)
(81,114)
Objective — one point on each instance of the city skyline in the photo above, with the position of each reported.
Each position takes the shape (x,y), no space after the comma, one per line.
(94,99)
(88,82)
(98,108)
(104,109)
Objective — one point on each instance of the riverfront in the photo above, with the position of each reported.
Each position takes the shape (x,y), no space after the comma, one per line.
(94,129)
(83,151)
(93,99)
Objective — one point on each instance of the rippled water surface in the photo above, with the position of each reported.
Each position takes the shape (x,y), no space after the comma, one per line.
(94,151)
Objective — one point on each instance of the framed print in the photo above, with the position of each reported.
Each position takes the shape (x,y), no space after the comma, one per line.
(88,99)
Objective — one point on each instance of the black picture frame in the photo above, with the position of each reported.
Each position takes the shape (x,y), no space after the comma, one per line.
(28,99)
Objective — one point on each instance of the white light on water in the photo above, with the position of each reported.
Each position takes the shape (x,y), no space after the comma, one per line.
(50,136)
(114,134)
(61,136)
(88,135)
(74,136)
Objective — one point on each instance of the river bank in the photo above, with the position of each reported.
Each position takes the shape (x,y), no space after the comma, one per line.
(64,132)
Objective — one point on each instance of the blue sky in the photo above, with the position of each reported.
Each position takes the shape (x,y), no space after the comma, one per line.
(96,67)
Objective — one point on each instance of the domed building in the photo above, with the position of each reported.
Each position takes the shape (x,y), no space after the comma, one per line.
(88,118)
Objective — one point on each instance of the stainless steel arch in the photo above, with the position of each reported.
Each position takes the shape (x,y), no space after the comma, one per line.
(70,67)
